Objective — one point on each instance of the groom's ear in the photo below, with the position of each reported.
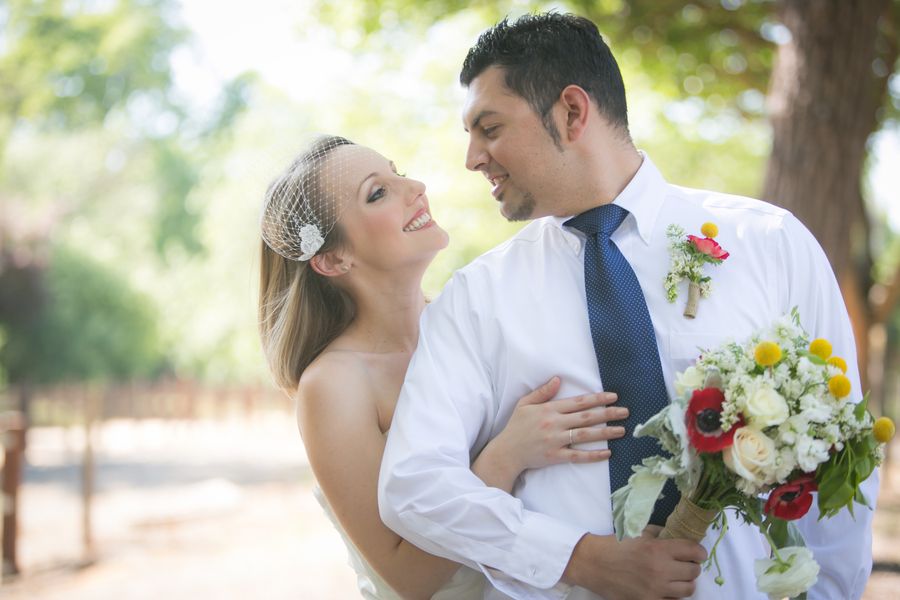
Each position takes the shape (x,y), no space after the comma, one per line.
(331,264)
(576,104)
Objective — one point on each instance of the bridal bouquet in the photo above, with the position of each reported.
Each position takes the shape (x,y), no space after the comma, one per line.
(768,416)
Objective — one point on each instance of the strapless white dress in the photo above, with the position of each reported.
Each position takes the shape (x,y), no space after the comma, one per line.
(466,583)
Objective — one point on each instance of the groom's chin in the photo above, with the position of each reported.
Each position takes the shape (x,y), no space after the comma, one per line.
(520,210)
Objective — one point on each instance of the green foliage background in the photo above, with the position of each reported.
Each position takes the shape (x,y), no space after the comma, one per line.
(138,205)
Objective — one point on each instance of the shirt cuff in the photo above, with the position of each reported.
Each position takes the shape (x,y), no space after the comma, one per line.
(539,555)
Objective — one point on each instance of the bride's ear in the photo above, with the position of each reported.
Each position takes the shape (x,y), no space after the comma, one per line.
(331,264)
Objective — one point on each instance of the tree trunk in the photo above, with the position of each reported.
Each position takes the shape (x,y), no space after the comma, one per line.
(822,104)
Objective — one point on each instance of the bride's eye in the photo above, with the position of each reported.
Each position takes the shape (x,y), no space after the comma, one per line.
(376,194)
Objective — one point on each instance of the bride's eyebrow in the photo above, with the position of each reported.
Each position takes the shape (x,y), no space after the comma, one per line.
(363,182)
(373,174)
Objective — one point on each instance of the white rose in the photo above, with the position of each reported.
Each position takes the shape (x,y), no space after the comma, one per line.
(751,455)
(766,407)
(691,379)
(795,580)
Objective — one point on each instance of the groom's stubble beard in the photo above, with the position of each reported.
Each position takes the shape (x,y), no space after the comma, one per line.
(523,210)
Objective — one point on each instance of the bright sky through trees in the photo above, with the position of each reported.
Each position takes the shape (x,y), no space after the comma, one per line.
(282,42)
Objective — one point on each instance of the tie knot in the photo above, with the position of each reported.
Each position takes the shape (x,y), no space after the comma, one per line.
(602,219)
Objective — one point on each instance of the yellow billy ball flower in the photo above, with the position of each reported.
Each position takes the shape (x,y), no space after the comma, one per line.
(883,430)
(821,348)
(709,230)
(767,354)
(839,386)
(837,361)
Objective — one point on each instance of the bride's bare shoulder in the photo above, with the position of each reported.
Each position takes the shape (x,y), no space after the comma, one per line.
(335,377)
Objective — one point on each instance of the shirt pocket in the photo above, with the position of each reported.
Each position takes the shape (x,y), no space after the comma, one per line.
(685,348)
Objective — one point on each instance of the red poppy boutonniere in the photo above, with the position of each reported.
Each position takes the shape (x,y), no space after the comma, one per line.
(689,254)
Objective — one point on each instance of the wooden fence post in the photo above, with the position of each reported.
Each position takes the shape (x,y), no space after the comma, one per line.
(91,398)
(12,428)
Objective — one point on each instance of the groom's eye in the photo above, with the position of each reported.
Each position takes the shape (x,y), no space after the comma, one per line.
(490,131)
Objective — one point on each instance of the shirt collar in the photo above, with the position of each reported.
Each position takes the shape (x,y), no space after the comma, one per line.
(642,197)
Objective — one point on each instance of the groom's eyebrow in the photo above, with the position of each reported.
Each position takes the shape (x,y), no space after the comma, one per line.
(481,115)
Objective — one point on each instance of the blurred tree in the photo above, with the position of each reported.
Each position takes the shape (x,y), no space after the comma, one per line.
(91,82)
(91,326)
(69,64)
(829,92)
(822,67)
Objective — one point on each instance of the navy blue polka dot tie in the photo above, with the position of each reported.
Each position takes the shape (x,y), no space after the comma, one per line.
(625,345)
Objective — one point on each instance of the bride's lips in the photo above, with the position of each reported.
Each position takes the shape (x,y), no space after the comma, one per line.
(428,221)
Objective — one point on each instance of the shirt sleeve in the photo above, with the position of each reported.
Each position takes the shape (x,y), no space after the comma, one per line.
(842,545)
(427,491)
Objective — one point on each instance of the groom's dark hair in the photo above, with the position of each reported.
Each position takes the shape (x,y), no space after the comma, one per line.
(543,53)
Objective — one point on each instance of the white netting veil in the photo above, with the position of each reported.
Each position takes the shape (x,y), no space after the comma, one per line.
(302,204)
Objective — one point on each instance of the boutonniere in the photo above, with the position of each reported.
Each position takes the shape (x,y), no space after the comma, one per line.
(689,254)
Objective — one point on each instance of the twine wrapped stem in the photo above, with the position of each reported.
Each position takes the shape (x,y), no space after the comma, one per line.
(690,310)
(688,521)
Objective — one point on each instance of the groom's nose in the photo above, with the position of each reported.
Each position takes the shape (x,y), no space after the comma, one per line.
(476,156)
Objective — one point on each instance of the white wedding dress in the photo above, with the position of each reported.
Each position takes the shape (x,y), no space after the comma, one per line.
(466,584)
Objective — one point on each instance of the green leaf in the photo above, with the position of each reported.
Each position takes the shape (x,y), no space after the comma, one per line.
(619,499)
(813,358)
(834,479)
(864,467)
(778,531)
(860,411)
(842,496)
(638,505)
(794,536)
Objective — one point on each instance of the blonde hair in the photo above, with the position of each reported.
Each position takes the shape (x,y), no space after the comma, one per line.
(300,311)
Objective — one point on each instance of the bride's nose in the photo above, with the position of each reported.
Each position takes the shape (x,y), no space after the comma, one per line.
(416,189)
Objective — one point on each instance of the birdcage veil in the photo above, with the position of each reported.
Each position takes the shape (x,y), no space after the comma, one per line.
(302,204)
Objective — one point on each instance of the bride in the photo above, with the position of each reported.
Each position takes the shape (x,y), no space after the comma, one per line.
(346,241)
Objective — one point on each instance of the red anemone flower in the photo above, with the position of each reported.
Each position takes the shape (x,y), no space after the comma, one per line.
(792,500)
(708,246)
(704,421)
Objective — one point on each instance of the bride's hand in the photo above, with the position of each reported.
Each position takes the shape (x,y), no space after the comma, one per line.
(541,433)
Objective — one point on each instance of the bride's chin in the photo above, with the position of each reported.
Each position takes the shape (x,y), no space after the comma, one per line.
(445,237)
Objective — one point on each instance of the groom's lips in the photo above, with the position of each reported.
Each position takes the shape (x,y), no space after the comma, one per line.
(498,182)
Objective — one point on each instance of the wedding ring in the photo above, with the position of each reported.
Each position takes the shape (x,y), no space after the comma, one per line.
(571,438)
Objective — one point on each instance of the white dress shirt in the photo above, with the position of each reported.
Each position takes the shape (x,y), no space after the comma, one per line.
(517,315)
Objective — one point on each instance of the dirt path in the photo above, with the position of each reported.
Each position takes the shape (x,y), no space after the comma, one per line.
(213,510)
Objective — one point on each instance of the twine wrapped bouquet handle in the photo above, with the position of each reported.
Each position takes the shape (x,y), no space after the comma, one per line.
(688,521)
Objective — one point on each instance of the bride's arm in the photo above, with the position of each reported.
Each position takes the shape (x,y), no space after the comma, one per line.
(339,423)
(538,434)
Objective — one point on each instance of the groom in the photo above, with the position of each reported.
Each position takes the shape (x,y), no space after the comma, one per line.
(547,124)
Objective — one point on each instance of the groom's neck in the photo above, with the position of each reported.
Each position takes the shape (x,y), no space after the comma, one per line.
(607,167)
